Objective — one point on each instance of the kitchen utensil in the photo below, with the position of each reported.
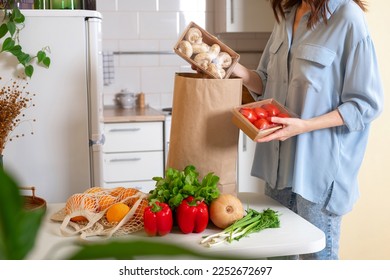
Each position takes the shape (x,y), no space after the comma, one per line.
(141,100)
(125,99)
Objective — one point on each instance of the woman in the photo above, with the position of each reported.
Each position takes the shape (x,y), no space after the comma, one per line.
(321,64)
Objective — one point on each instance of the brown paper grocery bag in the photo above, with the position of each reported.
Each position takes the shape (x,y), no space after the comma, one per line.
(202,132)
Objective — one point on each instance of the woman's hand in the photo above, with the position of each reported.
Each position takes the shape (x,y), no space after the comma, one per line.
(291,127)
(294,126)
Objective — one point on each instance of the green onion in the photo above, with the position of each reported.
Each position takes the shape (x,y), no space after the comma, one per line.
(253,221)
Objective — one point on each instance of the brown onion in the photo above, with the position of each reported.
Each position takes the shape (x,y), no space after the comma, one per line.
(225,210)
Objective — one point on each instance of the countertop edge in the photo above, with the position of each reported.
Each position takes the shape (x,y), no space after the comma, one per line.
(117,115)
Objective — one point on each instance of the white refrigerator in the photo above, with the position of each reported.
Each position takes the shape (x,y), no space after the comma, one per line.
(64,154)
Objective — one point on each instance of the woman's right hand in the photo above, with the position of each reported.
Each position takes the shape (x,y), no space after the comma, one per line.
(250,79)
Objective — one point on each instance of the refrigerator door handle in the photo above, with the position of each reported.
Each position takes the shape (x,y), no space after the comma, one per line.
(99,141)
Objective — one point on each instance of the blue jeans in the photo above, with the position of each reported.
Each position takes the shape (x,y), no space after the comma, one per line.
(316,214)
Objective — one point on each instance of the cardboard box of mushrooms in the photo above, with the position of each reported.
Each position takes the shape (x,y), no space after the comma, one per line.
(205,52)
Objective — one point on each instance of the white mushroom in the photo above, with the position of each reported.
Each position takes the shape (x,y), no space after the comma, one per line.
(194,35)
(216,71)
(214,51)
(185,47)
(223,59)
(203,59)
(200,48)
(222,73)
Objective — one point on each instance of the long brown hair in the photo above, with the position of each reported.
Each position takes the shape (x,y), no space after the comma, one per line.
(319,8)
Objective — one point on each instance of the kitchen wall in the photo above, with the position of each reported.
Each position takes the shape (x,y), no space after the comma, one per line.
(139,28)
(366,230)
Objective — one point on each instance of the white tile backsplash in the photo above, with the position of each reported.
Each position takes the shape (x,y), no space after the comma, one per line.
(167,45)
(141,29)
(107,5)
(137,5)
(158,25)
(119,25)
(157,79)
(182,5)
(138,60)
(139,45)
(197,17)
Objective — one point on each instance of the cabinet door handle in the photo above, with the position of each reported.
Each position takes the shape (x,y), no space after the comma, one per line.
(124,159)
(231,11)
(125,129)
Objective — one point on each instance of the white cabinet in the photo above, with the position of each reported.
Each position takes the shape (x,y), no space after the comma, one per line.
(246,151)
(133,154)
(243,16)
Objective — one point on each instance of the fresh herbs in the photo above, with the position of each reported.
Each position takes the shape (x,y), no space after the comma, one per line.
(179,184)
(253,221)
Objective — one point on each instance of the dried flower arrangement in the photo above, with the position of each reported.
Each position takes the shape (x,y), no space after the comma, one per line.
(14,99)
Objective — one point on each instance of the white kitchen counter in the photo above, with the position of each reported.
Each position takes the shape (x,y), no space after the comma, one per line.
(295,236)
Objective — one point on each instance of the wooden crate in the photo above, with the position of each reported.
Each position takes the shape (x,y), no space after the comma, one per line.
(209,40)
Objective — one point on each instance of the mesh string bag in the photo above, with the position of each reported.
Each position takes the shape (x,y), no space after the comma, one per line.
(85,213)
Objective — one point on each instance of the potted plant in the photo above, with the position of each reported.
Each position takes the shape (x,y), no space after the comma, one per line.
(13,97)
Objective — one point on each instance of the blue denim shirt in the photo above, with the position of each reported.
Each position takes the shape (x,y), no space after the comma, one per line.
(332,66)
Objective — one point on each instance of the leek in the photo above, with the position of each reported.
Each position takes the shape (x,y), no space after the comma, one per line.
(253,221)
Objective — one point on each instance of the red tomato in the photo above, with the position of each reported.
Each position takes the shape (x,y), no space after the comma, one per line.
(262,124)
(283,115)
(272,109)
(260,112)
(248,113)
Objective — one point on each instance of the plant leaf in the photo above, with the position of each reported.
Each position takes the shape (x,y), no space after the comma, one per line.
(46,61)
(29,70)
(8,44)
(16,50)
(11,27)
(24,58)
(10,205)
(17,16)
(3,30)
(130,250)
(41,55)
(18,227)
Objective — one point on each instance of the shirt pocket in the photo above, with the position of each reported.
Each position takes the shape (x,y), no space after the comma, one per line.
(275,46)
(312,64)
(274,67)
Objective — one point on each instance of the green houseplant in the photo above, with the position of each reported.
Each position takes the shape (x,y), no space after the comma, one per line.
(12,22)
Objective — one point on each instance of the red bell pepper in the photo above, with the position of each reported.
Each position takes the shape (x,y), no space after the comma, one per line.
(192,215)
(158,219)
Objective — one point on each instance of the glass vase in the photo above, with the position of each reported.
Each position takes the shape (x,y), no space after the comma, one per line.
(41,4)
(62,4)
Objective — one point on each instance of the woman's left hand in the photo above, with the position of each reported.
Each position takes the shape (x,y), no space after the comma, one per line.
(291,127)
(294,126)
